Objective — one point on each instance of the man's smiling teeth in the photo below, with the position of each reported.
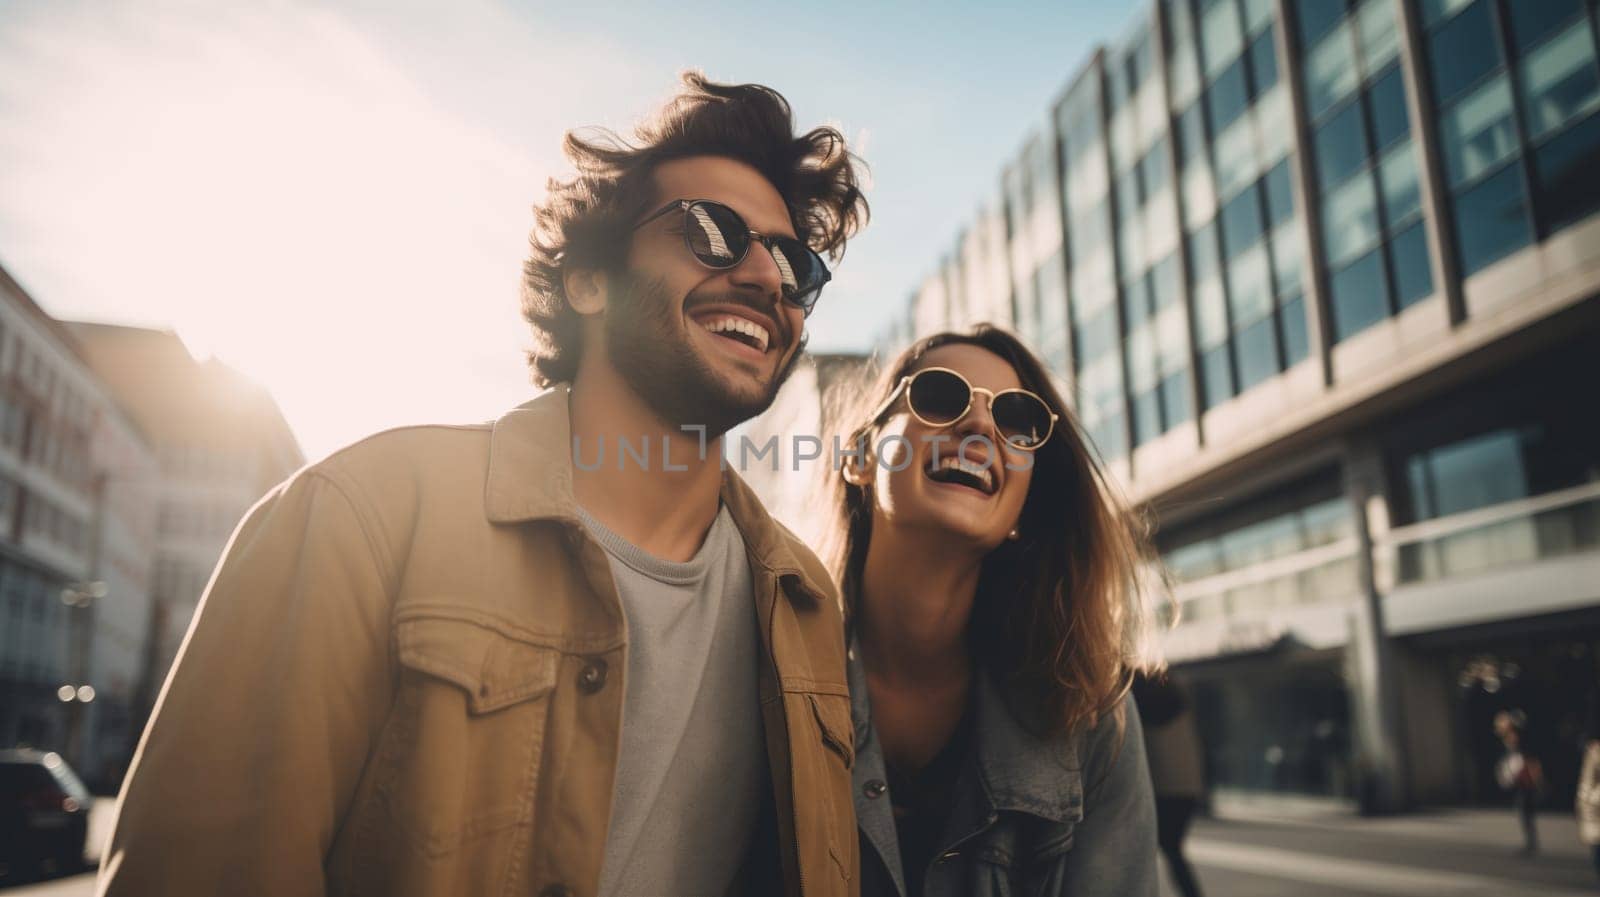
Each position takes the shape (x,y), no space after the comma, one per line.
(983,473)
(735,324)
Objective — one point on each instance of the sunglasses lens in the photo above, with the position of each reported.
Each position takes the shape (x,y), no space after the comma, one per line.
(1022,419)
(801,271)
(939,397)
(717,235)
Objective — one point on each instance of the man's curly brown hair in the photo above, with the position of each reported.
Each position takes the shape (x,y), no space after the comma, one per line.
(587,221)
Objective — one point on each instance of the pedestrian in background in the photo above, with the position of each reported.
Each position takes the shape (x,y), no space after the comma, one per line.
(991,588)
(1589,799)
(1177,770)
(1520,773)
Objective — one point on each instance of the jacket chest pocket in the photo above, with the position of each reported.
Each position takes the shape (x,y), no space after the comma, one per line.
(461,756)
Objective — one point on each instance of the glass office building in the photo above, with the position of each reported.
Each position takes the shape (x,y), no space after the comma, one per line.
(1319,278)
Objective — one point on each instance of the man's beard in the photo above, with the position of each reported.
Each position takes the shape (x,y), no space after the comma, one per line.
(649,346)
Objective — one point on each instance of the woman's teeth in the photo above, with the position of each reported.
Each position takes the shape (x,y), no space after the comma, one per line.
(979,471)
(756,335)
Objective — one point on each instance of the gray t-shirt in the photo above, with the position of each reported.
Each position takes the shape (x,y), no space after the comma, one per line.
(693,758)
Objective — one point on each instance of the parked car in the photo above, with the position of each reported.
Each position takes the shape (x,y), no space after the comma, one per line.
(44,815)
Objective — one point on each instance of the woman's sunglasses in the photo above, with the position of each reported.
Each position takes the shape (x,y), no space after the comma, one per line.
(719,238)
(940,397)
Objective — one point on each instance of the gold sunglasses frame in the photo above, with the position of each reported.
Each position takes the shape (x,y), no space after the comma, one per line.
(972,392)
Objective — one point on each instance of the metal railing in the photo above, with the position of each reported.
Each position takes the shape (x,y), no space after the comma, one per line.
(1523,531)
(1312,576)
(1508,534)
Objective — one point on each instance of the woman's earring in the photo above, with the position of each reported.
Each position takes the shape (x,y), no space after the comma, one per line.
(1013,535)
(854,474)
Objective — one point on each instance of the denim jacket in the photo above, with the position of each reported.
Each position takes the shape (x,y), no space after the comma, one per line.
(1030,816)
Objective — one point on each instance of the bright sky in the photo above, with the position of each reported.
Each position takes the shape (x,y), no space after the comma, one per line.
(333,197)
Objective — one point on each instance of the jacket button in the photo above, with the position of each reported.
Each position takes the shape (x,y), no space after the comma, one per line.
(592,677)
(874,788)
(556,891)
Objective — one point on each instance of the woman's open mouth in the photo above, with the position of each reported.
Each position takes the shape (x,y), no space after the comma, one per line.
(954,471)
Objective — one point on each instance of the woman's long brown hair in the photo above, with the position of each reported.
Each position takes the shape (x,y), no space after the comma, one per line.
(1060,617)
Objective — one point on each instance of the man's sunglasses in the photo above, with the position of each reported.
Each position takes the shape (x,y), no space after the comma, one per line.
(719,238)
(940,397)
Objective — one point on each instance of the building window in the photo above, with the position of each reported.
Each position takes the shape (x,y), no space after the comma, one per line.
(1492,219)
(1050,286)
(1296,343)
(1221,35)
(1316,18)
(1244,260)
(1566,175)
(1399,184)
(1241,222)
(1387,99)
(1359,295)
(1510,435)
(1258,352)
(1210,315)
(1559,80)
(1349,220)
(1341,145)
(1228,97)
(1088,199)
(1289,521)
(1330,70)
(1517,87)
(1367,176)
(1288,260)
(1532,22)
(1216,373)
(1479,132)
(1156,350)
(1413,278)
(1464,50)
(1280,194)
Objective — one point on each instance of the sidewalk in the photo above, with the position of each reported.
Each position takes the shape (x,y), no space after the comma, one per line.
(1472,853)
(72,886)
(1454,853)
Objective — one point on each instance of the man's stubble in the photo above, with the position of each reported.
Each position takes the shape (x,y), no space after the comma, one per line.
(649,346)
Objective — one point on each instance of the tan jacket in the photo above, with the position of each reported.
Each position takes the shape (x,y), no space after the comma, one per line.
(406,678)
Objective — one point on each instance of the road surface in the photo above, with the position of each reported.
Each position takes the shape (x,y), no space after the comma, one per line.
(1454,853)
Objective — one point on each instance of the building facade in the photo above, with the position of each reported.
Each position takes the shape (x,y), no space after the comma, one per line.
(74,561)
(1321,277)
(119,600)
(220,443)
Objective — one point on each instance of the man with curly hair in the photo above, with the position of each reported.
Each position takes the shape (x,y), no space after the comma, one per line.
(566,652)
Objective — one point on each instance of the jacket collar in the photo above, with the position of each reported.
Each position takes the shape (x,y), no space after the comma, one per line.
(530,462)
(530,478)
(1023,771)
(1017,770)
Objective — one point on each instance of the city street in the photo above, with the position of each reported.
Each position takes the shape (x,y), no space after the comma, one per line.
(1213,373)
(1463,854)
(1471,853)
(72,886)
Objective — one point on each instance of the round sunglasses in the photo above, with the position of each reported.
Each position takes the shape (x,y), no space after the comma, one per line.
(940,397)
(718,238)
